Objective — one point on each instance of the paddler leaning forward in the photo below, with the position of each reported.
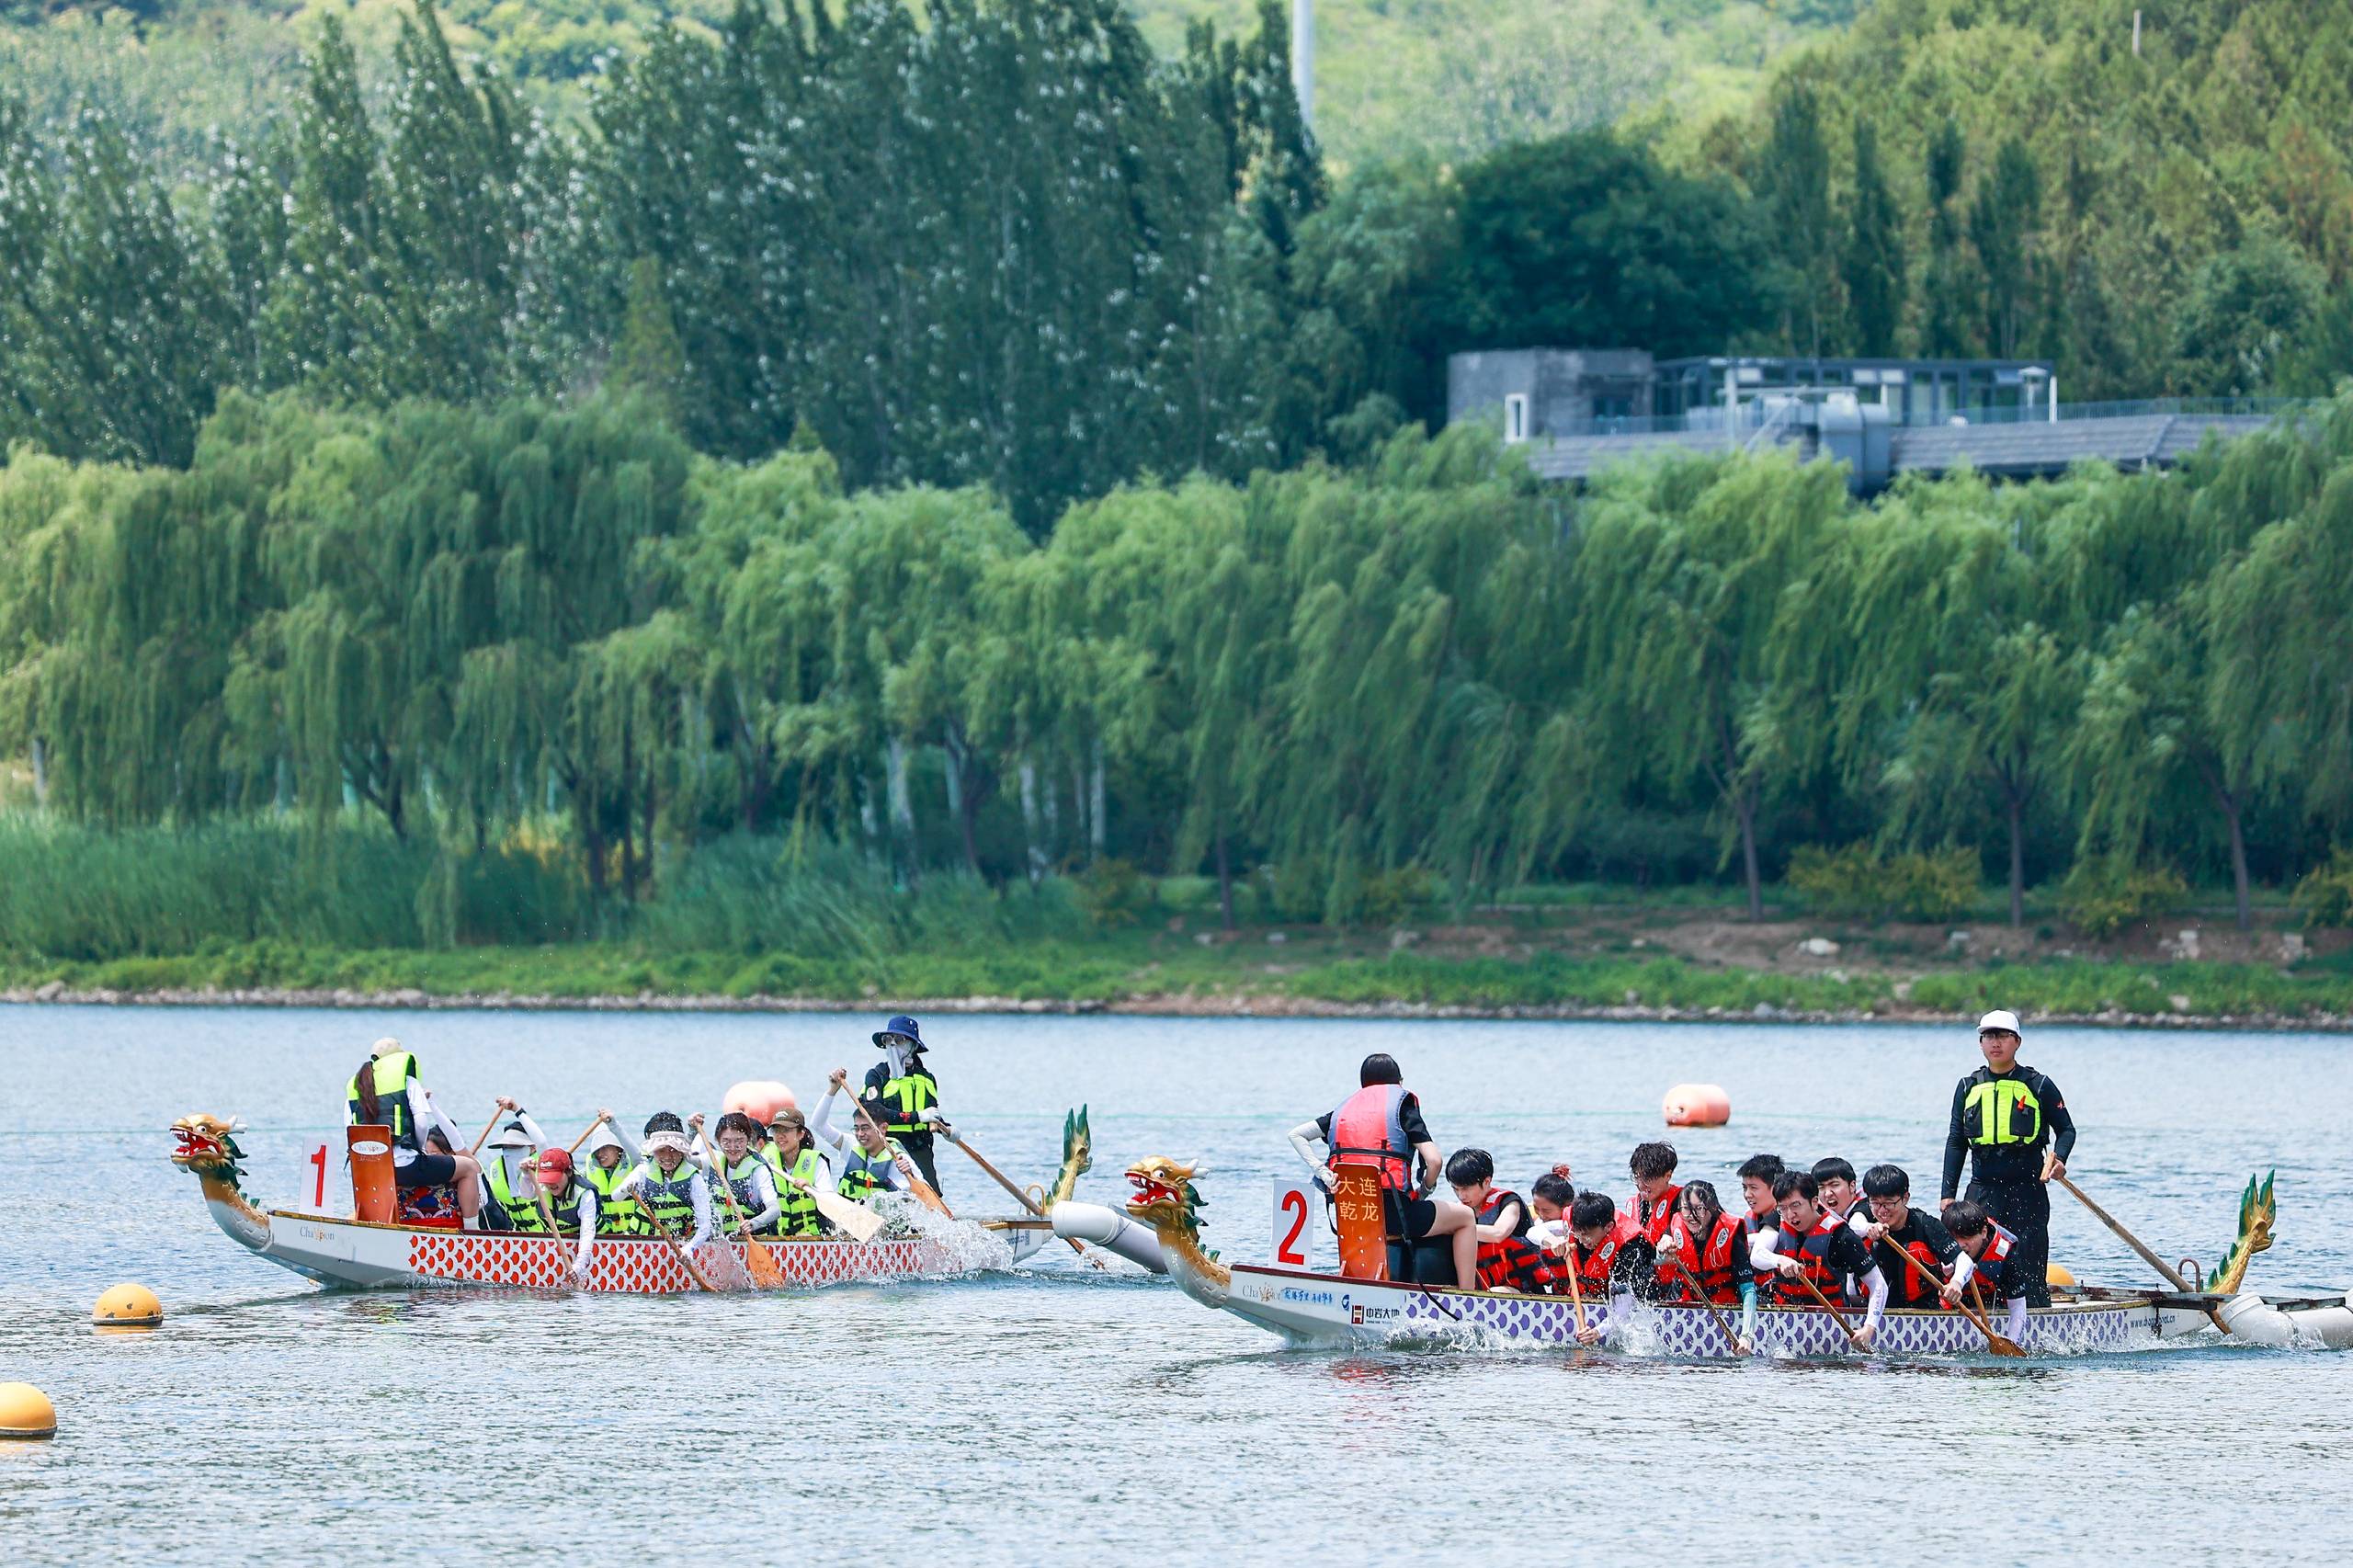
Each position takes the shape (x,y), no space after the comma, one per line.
(669,1185)
(571,1207)
(1380,1125)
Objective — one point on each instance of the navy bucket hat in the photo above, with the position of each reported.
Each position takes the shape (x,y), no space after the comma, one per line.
(905,1026)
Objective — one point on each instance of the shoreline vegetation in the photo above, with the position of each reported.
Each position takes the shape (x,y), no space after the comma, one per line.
(1681,969)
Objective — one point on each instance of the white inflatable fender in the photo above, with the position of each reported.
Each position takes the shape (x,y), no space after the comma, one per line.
(2250,1317)
(1107,1228)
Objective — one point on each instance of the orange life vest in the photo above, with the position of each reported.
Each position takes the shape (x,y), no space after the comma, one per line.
(1369,1129)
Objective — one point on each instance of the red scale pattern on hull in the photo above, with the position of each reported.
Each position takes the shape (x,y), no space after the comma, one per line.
(636,1266)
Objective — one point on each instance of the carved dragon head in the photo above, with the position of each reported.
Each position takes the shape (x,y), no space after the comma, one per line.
(208,1146)
(1079,1158)
(2259,1211)
(1165,1198)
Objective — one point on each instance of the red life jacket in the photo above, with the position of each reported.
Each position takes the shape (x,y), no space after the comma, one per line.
(1369,1129)
(1717,1264)
(1593,1267)
(1812,1253)
(1994,1282)
(1654,1217)
(1513,1262)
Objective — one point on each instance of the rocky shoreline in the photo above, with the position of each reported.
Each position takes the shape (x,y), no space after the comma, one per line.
(1216,1006)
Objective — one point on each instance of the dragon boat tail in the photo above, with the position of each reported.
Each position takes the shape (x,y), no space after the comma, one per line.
(1310,1308)
(346,1253)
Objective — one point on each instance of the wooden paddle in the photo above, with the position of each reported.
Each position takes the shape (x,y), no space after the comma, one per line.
(547,1218)
(1816,1290)
(488,1127)
(1996,1343)
(853,1219)
(646,1209)
(1576,1292)
(602,1116)
(1019,1196)
(1731,1340)
(2166,1269)
(765,1273)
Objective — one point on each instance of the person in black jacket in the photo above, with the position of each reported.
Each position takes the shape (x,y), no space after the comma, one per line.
(2011,1126)
(902,1094)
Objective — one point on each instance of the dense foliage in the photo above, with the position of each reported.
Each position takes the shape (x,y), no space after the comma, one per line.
(559,634)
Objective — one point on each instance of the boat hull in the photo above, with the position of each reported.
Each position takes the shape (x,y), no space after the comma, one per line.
(355,1254)
(1329,1309)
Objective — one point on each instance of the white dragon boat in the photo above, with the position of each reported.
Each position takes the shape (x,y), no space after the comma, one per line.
(1310,1308)
(346,1253)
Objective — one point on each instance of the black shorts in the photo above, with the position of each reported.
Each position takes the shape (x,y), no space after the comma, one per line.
(426,1170)
(1410,1218)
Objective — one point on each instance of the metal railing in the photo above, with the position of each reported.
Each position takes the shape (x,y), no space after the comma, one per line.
(1770,414)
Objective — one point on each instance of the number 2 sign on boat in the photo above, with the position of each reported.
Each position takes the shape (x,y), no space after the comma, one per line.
(1299,1216)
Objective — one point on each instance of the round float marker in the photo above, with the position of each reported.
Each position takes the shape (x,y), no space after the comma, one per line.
(128,1306)
(25,1411)
(2058,1274)
(1697,1105)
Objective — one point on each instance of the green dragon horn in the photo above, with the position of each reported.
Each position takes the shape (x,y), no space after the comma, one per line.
(1078,1155)
(2259,1211)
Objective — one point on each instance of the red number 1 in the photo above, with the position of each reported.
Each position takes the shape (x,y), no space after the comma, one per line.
(319,1158)
(1294,1203)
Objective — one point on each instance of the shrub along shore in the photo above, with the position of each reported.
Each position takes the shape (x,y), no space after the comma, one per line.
(1170,973)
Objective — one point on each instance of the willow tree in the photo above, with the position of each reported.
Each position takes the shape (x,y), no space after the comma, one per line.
(1683,570)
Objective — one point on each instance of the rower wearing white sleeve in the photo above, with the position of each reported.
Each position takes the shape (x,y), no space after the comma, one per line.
(507,1174)
(870,1162)
(800,1170)
(668,1185)
(1814,1248)
(568,1203)
(748,1179)
(385,1093)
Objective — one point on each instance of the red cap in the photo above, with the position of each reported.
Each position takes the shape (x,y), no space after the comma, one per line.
(556,1161)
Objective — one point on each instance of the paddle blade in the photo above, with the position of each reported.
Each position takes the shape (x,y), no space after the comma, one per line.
(2002,1346)
(854,1221)
(766,1273)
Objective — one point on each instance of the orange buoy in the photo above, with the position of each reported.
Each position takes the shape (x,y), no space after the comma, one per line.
(1697,1104)
(25,1411)
(128,1306)
(2058,1275)
(760,1098)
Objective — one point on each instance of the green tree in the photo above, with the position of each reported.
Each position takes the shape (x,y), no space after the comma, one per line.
(1873,263)
(1795,180)
(2248,308)
(2005,220)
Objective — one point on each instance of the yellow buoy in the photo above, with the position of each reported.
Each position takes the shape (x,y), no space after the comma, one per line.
(25,1411)
(2057,1273)
(128,1306)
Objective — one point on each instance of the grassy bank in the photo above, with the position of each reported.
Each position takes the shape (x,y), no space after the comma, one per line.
(1143,973)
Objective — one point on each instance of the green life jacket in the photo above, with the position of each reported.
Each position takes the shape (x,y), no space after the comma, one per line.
(617,1211)
(738,1177)
(2002,1111)
(391,1073)
(523,1213)
(671,1199)
(796,1210)
(864,1175)
(907,1099)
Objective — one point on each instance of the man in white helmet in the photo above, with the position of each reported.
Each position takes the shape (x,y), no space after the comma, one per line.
(2011,1126)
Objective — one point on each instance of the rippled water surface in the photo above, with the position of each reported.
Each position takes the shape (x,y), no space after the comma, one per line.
(1061,1415)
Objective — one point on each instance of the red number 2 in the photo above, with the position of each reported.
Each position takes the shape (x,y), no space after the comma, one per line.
(319,1158)
(1294,1203)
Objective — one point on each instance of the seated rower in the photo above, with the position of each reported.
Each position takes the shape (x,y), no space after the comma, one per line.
(1916,1237)
(1505,1259)
(1380,1127)
(870,1163)
(1609,1259)
(1655,1197)
(385,1093)
(749,1181)
(1550,1196)
(567,1203)
(1987,1268)
(1763,1212)
(507,1174)
(669,1184)
(1815,1247)
(1840,1196)
(609,1166)
(1713,1249)
(799,1169)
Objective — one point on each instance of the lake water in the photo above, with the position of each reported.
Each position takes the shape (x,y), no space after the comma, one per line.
(1061,1414)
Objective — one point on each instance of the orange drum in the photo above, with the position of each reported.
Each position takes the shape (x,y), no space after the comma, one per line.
(1697,1104)
(1364,1222)
(373,1196)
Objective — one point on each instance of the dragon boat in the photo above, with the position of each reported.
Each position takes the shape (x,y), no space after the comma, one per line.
(341,1251)
(1310,1308)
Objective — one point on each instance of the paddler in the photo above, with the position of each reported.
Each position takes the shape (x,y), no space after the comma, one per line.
(1505,1259)
(1612,1260)
(749,1180)
(870,1162)
(799,1170)
(1992,1264)
(1763,1212)
(1655,1196)
(1896,1229)
(1381,1126)
(669,1184)
(2011,1125)
(515,1151)
(1816,1246)
(1713,1249)
(904,1096)
(607,1172)
(571,1203)
(1836,1178)
(385,1093)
